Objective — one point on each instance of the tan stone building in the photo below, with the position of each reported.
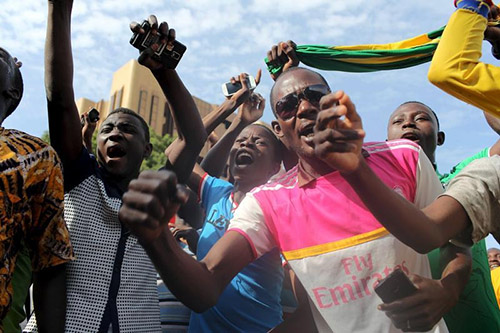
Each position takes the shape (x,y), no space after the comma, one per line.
(134,87)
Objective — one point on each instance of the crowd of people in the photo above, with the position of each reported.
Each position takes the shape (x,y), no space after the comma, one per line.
(290,227)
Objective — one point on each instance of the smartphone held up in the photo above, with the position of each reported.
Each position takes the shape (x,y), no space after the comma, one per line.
(229,89)
(168,54)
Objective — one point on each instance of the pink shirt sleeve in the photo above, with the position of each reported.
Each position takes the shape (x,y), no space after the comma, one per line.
(249,221)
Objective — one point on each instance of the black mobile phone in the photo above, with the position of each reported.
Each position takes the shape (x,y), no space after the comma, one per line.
(395,286)
(93,115)
(169,55)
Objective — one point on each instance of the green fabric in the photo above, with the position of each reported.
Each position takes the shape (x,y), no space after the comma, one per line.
(477,309)
(338,58)
(446,178)
(21,282)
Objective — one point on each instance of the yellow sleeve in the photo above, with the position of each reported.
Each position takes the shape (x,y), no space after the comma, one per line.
(495,280)
(456,68)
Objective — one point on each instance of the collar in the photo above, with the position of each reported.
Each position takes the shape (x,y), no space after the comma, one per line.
(234,204)
(304,177)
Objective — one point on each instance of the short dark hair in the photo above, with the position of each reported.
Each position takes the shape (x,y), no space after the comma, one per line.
(144,125)
(19,85)
(291,70)
(423,104)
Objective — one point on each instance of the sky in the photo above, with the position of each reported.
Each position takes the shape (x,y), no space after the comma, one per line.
(225,38)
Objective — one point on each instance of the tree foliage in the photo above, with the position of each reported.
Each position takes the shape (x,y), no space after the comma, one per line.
(157,158)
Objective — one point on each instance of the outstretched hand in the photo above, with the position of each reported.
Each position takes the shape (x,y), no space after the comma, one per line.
(252,104)
(283,55)
(165,35)
(422,310)
(252,109)
(244,93)
(88,128)
(338,133)
(150,202)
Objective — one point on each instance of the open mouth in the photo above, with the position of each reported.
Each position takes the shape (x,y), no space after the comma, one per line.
(307,131)
(410,136)
(243,158)
(115,152)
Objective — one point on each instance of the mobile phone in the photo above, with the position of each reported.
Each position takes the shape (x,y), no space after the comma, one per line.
(229,89)
(168,55)
(395,286)
(93,116)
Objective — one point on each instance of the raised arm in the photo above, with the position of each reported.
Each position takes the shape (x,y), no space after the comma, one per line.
(210,122)
(456,67)
(250,111)
(150,202)
(183,107)
(64,121)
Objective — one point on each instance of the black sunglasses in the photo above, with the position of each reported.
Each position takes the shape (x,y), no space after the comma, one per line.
(287,106)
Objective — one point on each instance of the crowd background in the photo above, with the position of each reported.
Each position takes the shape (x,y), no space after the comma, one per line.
(223,40)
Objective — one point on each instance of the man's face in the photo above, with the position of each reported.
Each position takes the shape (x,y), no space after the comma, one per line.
(121,145)
(494,258)
(415,122)
(294,131)
(253,155)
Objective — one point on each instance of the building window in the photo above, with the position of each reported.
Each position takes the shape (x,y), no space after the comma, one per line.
(112,102)
(168,127)
(153,115)
(118,100)
(143,95)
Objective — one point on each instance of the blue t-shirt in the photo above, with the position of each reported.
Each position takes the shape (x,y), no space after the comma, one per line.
(251,302)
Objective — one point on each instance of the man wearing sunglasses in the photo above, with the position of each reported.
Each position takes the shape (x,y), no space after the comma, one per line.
(333,243)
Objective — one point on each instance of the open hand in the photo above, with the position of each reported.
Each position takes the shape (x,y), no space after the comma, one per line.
(252,109)
(338,133)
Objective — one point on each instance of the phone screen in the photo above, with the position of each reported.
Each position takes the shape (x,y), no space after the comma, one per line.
(232,88)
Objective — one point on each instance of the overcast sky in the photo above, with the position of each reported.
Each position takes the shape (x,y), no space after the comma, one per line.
(224,38)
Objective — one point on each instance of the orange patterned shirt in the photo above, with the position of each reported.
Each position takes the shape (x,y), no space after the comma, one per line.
(31,207)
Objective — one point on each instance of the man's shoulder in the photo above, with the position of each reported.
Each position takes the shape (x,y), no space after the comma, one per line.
(23,141)
(393,154)
(287,180)
(391,146)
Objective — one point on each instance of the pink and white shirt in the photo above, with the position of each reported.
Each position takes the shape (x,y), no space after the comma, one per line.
(335,246)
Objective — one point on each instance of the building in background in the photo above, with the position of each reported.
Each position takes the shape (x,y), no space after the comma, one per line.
(134,87)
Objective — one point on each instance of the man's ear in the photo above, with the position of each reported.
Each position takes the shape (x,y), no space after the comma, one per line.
(277,129)
(147,150)
(13,93)
(440,139)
